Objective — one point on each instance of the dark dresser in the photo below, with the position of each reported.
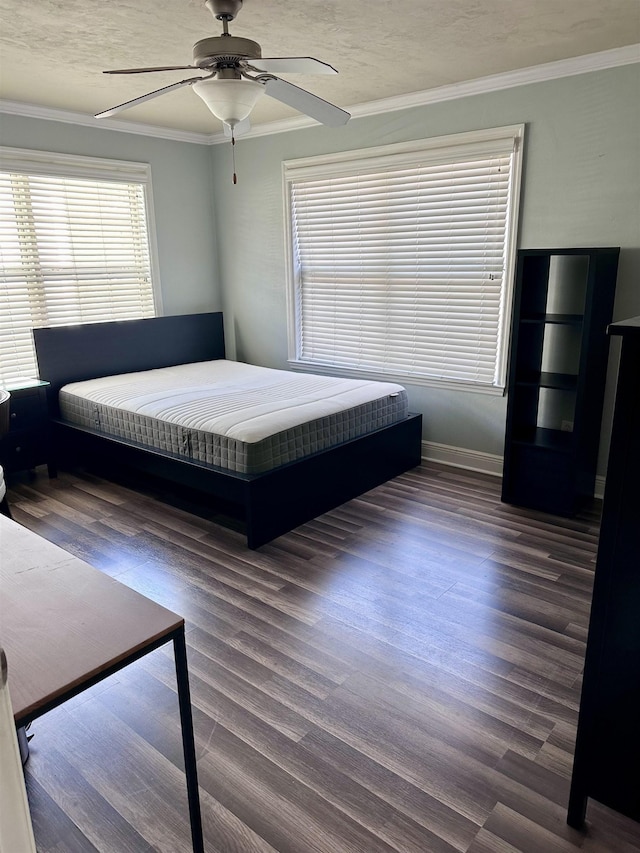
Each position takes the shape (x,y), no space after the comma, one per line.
(607,755)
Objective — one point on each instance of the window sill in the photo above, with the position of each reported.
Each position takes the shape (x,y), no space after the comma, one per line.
(402,379)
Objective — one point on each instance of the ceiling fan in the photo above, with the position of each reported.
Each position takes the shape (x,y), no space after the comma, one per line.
(237,75)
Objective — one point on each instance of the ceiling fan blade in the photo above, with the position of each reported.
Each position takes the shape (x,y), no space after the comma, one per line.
(305,102)
(146,97)
(293,65)
(240,129)
(146,70)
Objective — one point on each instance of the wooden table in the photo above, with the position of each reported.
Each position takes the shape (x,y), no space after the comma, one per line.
(66,626)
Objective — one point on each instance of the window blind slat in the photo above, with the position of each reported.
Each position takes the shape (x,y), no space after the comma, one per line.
(71,250)
(402,269)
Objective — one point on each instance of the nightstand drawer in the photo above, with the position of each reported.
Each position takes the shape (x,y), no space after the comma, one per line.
(23,449)
(26,445)
(26,411)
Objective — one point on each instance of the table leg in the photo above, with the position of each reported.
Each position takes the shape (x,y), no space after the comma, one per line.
(188,743)
(577,810)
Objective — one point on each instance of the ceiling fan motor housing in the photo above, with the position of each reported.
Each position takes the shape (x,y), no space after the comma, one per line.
(211,51)
(224,9)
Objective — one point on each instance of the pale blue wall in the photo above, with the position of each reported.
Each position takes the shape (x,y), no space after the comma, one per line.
(581,187)
(182,195)
(222,245)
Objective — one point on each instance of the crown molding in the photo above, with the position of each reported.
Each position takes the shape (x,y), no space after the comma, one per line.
(475,460)
(508,80)
(614,58)
(51,114)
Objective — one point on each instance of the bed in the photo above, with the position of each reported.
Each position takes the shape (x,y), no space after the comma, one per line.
(273,448)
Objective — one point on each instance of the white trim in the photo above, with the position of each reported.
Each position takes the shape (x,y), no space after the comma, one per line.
(75,165)
(474,142)
(152,237)
(402,378)
(614,58)
(67,116)
(460,457)
(476,460)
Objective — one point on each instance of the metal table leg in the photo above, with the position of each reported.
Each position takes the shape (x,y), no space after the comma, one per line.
(188,743)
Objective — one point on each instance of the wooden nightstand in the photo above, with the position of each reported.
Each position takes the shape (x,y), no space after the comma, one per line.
(27,442)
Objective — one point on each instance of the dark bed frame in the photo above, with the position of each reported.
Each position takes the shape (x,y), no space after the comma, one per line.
(271,503)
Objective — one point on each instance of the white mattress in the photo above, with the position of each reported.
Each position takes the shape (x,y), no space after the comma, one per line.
(234,415)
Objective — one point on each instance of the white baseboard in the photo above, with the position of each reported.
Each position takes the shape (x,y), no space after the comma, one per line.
(475,460)
(459,457)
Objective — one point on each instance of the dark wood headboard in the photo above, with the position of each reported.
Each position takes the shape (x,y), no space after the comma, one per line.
(74,353)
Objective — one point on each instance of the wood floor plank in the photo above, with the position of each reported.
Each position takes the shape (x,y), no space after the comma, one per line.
(408,798)
(144,712)
(453,721)
(401,674)
(396,742)
(523,834)
(55,831)
(106,828)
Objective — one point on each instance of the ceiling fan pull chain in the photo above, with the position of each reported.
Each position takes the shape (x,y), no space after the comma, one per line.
(233,156)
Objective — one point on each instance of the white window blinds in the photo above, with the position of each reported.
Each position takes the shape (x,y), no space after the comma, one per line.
(73,249)
(401,260)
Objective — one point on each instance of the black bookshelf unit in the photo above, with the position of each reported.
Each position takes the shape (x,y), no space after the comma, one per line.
(557,372)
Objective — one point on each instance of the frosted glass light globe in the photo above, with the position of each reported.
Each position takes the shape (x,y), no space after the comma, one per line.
(229,100)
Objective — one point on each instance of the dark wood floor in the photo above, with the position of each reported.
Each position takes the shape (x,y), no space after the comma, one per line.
(401,674)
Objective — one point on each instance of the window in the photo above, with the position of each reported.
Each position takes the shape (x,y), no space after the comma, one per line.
(400,259)
(75,247)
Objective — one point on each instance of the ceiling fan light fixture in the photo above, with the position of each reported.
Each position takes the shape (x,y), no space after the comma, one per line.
(230,100)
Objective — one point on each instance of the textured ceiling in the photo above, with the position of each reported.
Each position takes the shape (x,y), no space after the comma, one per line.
(52,52)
